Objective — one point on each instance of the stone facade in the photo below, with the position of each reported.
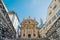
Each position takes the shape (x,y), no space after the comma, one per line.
(51,29)
(29,29)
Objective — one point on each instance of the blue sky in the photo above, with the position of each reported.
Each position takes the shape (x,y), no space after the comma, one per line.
(25,8)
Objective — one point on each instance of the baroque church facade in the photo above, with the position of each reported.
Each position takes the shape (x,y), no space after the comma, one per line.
(29,28)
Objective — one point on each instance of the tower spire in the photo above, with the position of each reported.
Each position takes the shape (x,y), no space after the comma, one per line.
(29,17)
(41,21)
(34,18)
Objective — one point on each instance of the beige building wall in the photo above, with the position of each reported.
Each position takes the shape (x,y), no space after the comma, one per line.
(51,13)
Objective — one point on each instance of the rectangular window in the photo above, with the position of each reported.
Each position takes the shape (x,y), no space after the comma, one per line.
(58,13)
(50,22)
(53,18)
(59,0)
(54,7)
(50,13)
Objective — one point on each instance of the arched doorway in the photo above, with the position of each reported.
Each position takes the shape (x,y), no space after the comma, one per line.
(29,35)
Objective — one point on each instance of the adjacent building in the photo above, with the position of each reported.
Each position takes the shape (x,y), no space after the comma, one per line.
(15,21)
(51,28)
(6,28)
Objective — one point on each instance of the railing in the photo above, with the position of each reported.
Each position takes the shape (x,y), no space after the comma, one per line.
(52,32)
(53,28)
(9,25)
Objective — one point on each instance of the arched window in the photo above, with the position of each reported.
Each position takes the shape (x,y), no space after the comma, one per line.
(29,35)
(34,35)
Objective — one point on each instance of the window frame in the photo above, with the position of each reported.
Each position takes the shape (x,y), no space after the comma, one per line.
(54,7)
(54,17)
(58,13)
(50,13)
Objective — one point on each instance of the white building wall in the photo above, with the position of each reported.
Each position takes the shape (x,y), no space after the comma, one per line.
(15,21)
(11,16)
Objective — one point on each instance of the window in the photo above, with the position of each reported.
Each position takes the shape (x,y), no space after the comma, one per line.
(29,35)
(50,13)
(50,7)
(34,35)
(55,0)
(58,13)
(53,18)
(23,34)
(39,36)
(50,22)
(47,24)
(54,7)
(59,0)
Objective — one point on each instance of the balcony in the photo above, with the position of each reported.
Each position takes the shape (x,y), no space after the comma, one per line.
(54,27)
